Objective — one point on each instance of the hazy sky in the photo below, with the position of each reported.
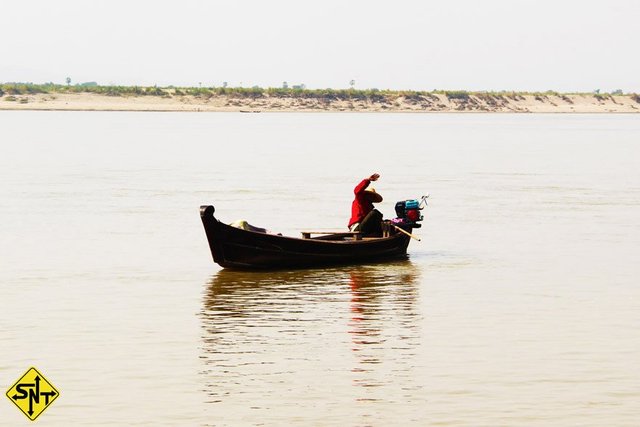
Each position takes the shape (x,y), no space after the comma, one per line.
(565,45)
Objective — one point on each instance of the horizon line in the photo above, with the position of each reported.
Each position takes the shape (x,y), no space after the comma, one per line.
(304,88)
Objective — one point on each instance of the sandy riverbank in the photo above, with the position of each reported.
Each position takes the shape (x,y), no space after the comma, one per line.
(553,103)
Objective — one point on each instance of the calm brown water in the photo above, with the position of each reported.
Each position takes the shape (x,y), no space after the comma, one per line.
(521,306)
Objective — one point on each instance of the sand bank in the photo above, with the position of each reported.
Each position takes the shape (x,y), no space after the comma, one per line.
(514,103)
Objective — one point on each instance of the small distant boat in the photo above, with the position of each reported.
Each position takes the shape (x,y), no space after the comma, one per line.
(236,248)
(250,111)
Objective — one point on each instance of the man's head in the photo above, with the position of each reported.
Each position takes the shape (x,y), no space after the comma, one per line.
(372,195)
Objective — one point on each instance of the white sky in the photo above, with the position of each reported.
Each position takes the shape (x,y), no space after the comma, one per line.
(564,45)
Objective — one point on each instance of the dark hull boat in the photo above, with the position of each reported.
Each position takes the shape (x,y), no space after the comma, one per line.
(233,247)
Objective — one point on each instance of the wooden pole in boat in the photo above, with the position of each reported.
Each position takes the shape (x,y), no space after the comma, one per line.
(406,232)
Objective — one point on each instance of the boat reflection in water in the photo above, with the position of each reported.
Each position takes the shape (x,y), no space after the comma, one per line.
(305,338)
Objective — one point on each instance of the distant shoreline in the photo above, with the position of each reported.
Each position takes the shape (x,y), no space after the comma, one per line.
(99,98)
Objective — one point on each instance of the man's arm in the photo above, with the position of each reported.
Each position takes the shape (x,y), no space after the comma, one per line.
(362,186)
(365,183)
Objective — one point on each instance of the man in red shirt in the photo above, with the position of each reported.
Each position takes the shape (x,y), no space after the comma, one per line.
(364,217)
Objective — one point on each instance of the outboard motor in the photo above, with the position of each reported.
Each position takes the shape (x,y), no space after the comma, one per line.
(408,211)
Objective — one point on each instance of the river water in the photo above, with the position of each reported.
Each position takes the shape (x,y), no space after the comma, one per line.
(520,306)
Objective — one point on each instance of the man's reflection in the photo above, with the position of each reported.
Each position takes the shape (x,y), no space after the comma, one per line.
(382,312)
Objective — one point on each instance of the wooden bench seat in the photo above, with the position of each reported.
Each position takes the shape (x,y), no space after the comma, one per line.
(356,234)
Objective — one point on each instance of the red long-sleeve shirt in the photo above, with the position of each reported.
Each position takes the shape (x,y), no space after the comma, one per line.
(361,206)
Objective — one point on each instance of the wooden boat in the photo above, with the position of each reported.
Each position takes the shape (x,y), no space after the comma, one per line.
(233,247)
